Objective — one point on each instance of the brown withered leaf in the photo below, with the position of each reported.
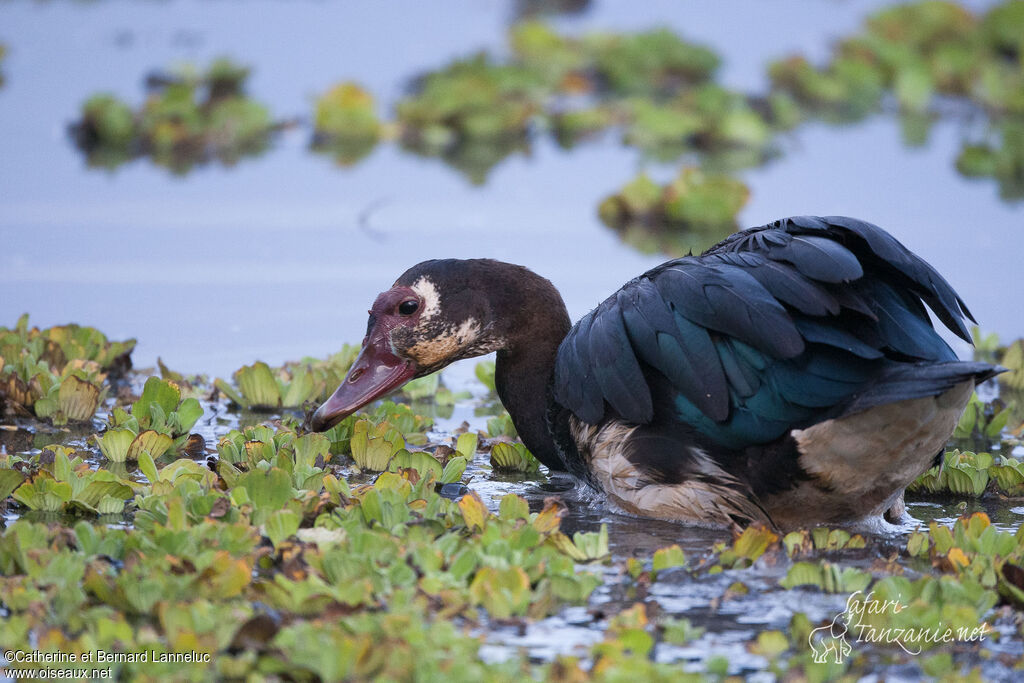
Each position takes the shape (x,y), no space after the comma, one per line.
(219,508)
(444,453)
(256,632)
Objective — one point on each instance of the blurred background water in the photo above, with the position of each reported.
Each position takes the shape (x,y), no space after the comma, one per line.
(280,255)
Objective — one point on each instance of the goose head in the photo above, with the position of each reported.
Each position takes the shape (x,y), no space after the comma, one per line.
(436,313)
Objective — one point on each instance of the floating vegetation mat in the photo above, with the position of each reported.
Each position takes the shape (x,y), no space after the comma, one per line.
(931,59)
(193,529)
(188,118)
(693,211)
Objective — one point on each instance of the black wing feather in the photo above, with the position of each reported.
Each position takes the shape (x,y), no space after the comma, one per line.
(616,368)
(764,327)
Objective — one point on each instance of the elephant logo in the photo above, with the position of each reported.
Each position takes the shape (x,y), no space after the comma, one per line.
(830,639)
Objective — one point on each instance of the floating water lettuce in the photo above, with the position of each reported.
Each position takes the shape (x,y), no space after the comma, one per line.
(303,457)
(692,212)
(473,113)
(72,395)
(694,199)
(655,85)
(346,123)
(915,49)
(575,125)
(999,155)
(983,421)
(805,542)
(654,62)
(123,443)
(160,420)
(422,462)
(271,568)
(558,59)
(827,576)
(1008,475)
(373,446)
(667,558)
(848,88)
(59,372)
(108,123)
(484,371)
(187,118)
(1012,358)
(916,52)
(473,98)
(707,118)
(962,473)
(260,389)
(501,425)
(971,474)
(513,458)
(977,552)
(72,486)
(584,546)
(411,425)
(747,546)
(466,444)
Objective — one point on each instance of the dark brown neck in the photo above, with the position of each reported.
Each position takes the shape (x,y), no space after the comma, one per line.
(537,324)
(522,382)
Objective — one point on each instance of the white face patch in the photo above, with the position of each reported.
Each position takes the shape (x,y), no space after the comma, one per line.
(427,292)
(467,332)
(440,342)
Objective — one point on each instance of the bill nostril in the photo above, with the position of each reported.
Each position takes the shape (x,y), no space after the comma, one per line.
(354,377)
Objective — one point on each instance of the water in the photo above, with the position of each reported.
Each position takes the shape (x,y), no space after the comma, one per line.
(279,256)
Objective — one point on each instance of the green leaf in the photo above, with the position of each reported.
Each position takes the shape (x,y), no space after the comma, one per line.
(156,392)
(466,444)
(258,385)
(513,507)
(281,525)
(98,490)
(114,444)
(664,558)
(189,413)
(150,442)
(229,391)
(269,490)
(299,390)
(485,373)
(9,480)
(78,399)
(513,457)
(770,644)
(61,467)
(503,592)
(110,506)
(424,463)
(454,470)
(148,467)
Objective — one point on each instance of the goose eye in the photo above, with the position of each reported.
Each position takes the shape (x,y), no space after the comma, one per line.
(408,307)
